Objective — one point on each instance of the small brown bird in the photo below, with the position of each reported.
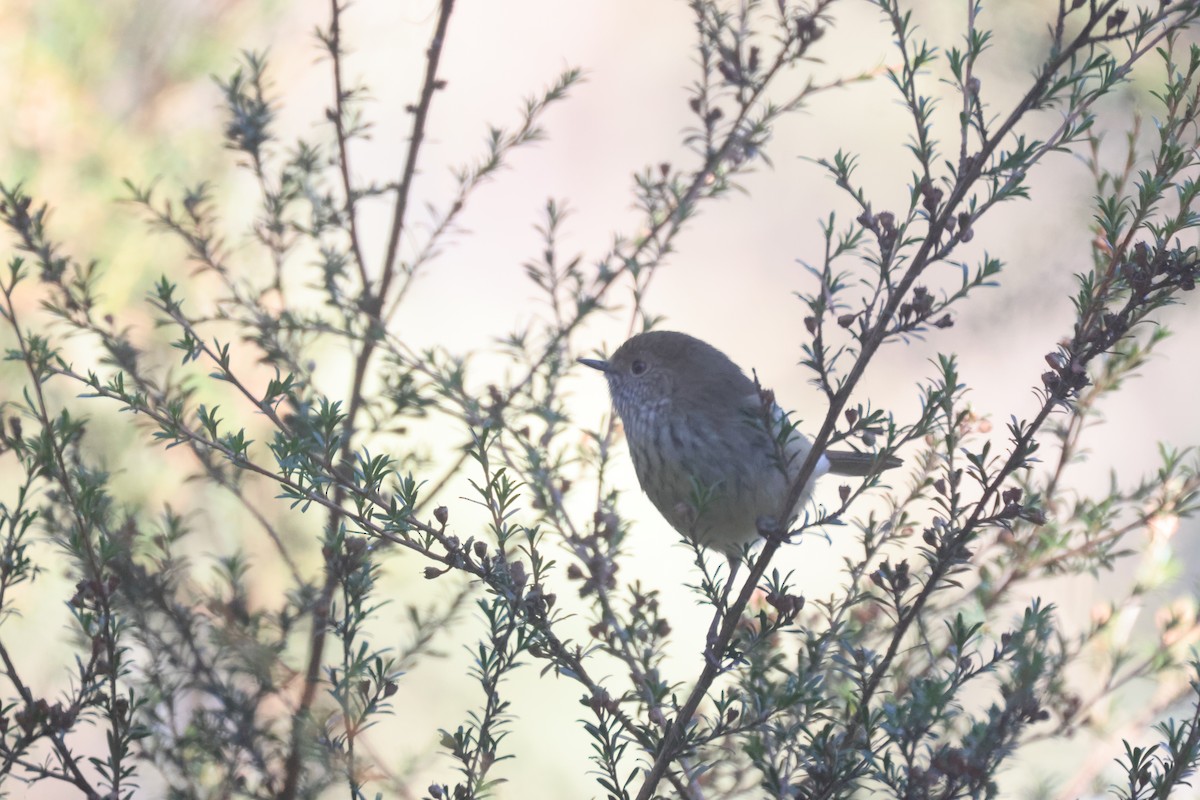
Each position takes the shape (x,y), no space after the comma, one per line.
(700,443)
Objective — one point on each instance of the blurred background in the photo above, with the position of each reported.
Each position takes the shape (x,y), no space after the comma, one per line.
(100,92)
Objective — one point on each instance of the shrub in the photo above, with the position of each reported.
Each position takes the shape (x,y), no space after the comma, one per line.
(913,679)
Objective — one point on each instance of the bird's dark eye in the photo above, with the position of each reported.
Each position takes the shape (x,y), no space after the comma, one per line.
(638,367)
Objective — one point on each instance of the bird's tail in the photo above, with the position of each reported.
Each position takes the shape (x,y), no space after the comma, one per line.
(846,462)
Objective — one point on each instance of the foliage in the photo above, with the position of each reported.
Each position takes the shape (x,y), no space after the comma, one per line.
(908,682)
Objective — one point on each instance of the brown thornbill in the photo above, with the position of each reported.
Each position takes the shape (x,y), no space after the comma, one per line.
(709,447)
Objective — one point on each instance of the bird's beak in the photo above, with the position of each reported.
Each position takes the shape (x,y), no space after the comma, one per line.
(594,363)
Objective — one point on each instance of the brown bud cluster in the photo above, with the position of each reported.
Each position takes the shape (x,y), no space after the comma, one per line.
(538,602)
(931,196)
(1013,509)
(958,765)
(894,580)
(942,539)
(788,605)
(1172,267)
(606,524)
(883,225)
(1151,275)
(1067,375)
(601,572)
(600,701)
(94,594)
(442,792)
(808,30)
(645,610)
